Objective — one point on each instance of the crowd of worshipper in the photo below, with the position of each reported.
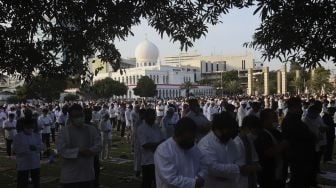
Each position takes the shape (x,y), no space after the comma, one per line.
(234,142)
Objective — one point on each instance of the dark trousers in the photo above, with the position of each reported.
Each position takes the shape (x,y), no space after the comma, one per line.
(148,176)
(118,125)
(23,176)
(302,174)
(53,130)
(46,141)
(96,166)
(123,127)
(329,150)
(9,146)
(113,122)
(86,184)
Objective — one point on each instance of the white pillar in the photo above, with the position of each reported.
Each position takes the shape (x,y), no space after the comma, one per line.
(266,81)
(250,81)
(283,79)
(279,82)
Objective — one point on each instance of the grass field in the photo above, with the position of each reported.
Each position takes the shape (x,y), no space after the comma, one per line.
(114,175)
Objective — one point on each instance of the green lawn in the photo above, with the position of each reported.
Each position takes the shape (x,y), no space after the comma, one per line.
(113,175)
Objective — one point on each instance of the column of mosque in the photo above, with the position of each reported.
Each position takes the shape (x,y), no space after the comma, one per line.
(266,81)
(279,82)
(297,78)
(283,79)
(250,81)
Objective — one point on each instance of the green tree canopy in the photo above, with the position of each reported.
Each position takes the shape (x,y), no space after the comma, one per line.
(320,79)
(71,97)
(107,87)
(300,31)
(42,87)
(145,87)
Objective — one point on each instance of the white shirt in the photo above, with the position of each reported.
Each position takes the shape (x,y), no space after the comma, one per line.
(112,112)
(241,115)
(175,167)
(160,110)
(211,111)
(10,129)
(105,128)
(148,134)
(128,117)
(223,161)
(25,158)
(45,122)
(3,117)
(76,168)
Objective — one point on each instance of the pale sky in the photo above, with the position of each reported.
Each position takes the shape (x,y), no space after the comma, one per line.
(226,38)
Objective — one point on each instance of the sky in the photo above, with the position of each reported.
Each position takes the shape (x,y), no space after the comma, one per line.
(226,38)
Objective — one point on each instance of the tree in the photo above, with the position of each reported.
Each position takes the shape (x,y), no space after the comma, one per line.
(56,36)
(187,86)
(107,87)
(13,100)
(320,79)
(71,97)
(230,82)
(296,31)
(42,87)
(145,87)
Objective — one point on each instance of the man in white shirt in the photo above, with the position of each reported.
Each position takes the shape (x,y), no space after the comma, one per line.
(113,116)
(178,162)
(105,128)
(212,109)
(224,161)
(9,126)
(150,137)
(27,146)
(128,120)
(78,143)
(241,113)
(44,123)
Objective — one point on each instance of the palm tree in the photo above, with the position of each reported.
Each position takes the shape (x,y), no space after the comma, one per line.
(187,85)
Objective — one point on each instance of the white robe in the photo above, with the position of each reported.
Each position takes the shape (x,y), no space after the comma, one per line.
(241,115)
(223,161)
(175,167)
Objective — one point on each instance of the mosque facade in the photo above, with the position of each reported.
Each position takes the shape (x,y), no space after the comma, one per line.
(169,79)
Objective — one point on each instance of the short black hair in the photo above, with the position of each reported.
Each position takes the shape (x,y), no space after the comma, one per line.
(224,121)
(251,122)
(75,107)
(264,114)
(294,102)
(185,125)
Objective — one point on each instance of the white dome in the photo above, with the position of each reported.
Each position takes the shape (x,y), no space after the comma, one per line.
(146,51)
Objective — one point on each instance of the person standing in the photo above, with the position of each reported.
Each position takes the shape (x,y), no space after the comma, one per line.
(128,122)
(150,137)
(9,126)
(224,161)
(160,110)
(168,123)
(329,122)
(27,147)
(44,122)
(113,116)
(241,113)
(271,149)
(105,128)
(301,141)
(178,161)
(78,143)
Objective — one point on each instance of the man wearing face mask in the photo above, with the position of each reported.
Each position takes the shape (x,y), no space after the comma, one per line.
(301,141)
(178,161)
(78,143)
(271,149)
(150,137)
(225,163)
(27,147)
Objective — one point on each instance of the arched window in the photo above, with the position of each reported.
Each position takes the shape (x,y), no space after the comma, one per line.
(149,64)
(126,79)
(167,79)
(157,79)
(122,80)
(163,79)
(134,80)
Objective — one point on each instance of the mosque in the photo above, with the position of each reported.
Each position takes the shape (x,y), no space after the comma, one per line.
(169,79)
